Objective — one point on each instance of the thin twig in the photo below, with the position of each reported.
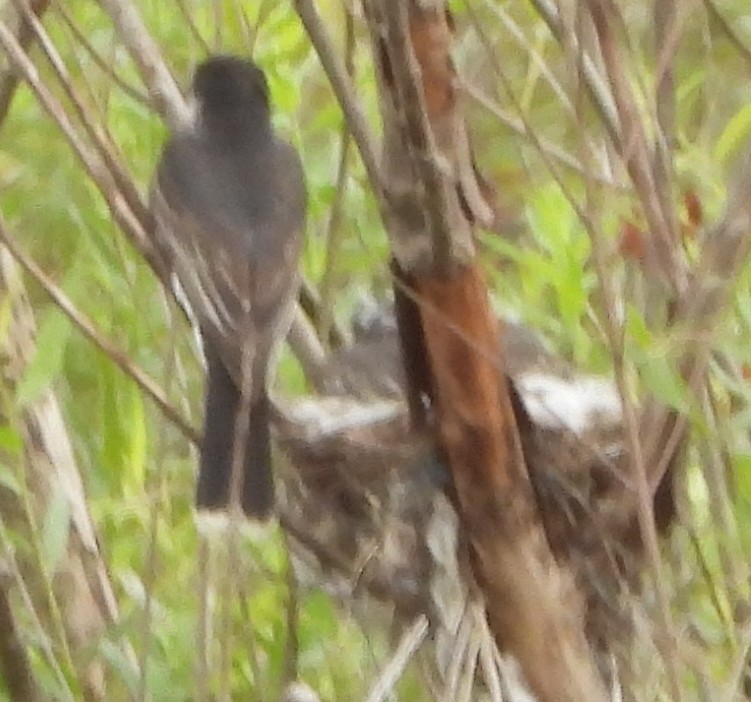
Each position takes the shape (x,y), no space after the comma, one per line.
(292,642)
(728,30)
(104,147)
(379,588)
(307,347)
(142,48)
(634,148)
(264,10)
(667,33)
(132,92)
(516,32)
(203,625)
(738,669)
(459,648)
(598,89)
(41,632)
(10,79)
(345,92)
(310,302)
(194,31)
(636,448)
(335,233)
(469,672)
(151,563)
(89,330)
(488,651)
(409,643)
(521,128)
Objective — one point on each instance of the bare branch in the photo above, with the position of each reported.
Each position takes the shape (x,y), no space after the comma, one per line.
(306,347)
(728,30)
(9,79)
(87,328)
(108,70)
(163,89)
(634,148)
(410,641)
(345,92)
(600,92)
(667,33)
(105,149)
(335,232)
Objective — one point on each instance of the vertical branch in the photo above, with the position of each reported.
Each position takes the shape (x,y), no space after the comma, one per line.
(666,34)
(335,232)
(534,610)
(634,145)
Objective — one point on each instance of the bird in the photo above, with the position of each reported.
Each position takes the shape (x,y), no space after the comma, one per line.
(229,205)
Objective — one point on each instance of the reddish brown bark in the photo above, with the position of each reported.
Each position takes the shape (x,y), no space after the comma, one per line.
(534,610)
(434,201)
(475,419)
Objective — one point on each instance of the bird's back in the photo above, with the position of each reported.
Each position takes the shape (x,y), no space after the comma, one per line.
(230,222)
(251,196)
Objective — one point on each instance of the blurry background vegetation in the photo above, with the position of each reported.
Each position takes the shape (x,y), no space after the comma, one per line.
(139,471)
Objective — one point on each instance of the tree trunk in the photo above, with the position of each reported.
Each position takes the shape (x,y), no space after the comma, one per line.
(433,202)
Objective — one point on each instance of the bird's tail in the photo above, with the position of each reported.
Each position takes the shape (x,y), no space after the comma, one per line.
(223,402)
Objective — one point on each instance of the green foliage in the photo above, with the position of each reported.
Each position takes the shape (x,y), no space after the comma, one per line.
(137,466)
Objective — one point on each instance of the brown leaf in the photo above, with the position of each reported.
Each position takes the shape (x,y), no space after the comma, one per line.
(632,242)
(693,208)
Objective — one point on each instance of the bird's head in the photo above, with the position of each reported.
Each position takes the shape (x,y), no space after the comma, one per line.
(231,90)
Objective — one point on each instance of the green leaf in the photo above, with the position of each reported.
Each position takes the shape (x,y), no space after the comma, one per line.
(10,440)
(663,380)
(118,659)
(735,133)
(47,363)
(637,330)
(55,529)
(9,481)
(137,437)
(742,473)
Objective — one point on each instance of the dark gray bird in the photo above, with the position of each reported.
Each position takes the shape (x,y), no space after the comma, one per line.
(229,203)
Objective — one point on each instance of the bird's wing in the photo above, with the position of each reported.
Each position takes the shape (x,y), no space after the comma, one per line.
(234,253)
